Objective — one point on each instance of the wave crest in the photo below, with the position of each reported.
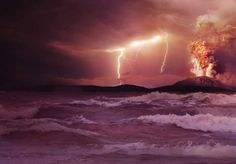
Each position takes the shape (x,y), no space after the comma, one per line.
(203,122)
(163,99)
(213,151)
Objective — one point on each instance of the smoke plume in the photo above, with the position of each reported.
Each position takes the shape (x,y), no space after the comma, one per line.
(211,35)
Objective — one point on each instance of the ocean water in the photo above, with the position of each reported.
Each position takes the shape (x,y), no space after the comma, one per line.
(107,128)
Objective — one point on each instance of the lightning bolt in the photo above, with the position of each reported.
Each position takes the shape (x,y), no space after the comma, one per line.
(121,54)
(139,44)
(166,52)
(143,42)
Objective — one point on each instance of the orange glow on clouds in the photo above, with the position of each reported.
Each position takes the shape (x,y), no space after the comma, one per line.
(138,43)
(135,44)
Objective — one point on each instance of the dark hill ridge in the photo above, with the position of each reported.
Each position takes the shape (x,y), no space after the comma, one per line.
(200,82)
(120,88)
(196,84)
(86,88)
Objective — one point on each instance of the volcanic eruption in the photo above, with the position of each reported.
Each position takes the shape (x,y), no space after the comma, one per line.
(209,38)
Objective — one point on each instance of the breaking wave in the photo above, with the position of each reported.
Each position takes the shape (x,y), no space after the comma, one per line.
(79,119)
(156,98)
(91,102)
(205,150)
(203,122)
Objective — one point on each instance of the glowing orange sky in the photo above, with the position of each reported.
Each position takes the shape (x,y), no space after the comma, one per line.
(64,41)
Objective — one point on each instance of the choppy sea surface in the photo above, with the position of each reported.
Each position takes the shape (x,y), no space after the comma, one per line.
(153,128)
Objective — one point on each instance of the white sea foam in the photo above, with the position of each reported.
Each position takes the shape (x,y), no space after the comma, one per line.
(186,99)
(223,99)
(205,150)
(91,102)
(52,126)
(79,119)
(164,99)
(203,122)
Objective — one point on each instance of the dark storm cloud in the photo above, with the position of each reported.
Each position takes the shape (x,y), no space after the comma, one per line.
(26,29)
